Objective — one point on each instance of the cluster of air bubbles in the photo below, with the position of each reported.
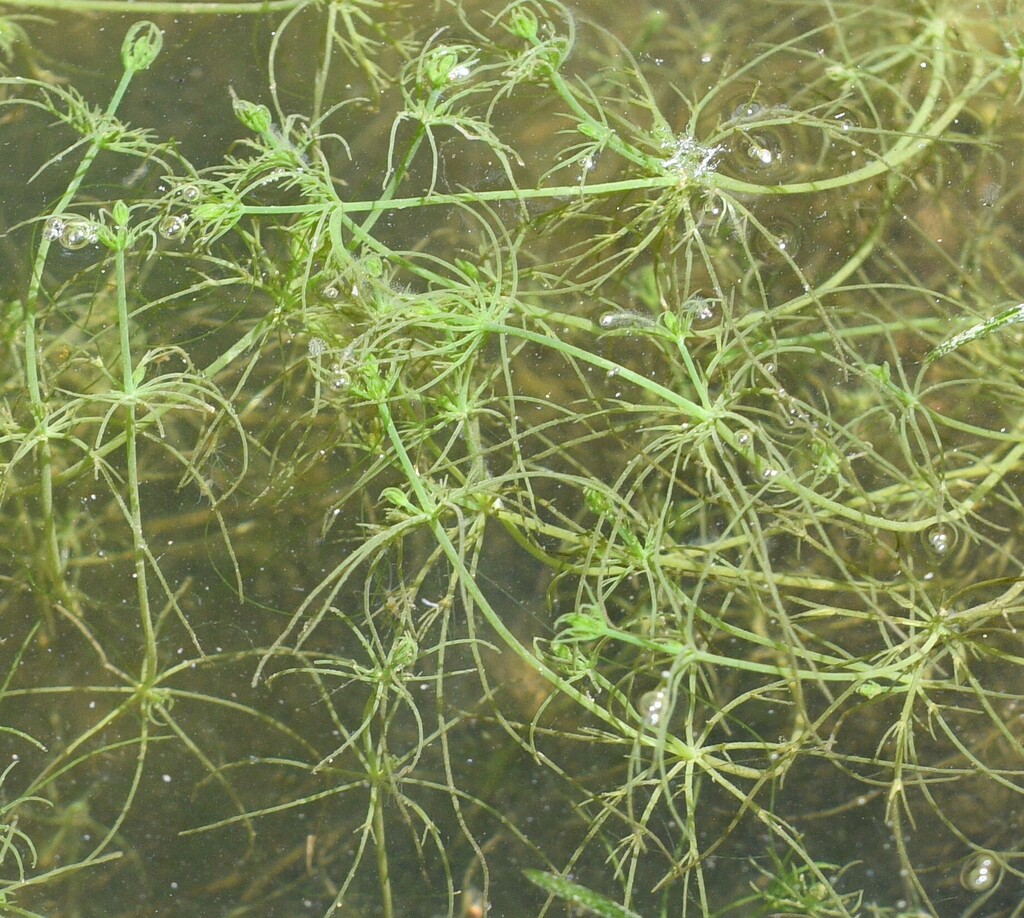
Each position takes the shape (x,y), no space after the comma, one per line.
(653,705)
(172,227)
(763,475)
(793,413)
(78,235)
(939,540)
(981,872)
(771,481)
(689,159)
(460,72)
(340,377)
(990,194)
(73,234)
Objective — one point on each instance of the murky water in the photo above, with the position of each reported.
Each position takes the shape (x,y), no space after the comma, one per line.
(584,441)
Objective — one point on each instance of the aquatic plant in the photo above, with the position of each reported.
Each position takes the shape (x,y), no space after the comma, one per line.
(536,460)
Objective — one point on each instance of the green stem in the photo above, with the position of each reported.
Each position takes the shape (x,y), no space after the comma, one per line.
(838,669)
(320,86)
(149,665)
(54,565)
(381,206)
(376,762)
(381,849)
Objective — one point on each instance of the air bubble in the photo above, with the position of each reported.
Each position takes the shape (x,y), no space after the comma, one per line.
(77,235)
(612,320)
(330,292)
(762,153)
(781,238)
(759,155)
(704,313)
(981,872)
(340,379)
(747,111)
(189,193)
(172,227)
(767,142)
(652,706)
(846,122)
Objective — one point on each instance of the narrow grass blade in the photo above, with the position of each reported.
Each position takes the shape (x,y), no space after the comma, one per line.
(1011,316)
(578,895)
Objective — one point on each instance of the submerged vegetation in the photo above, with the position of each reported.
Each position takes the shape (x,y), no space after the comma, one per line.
(537,465)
